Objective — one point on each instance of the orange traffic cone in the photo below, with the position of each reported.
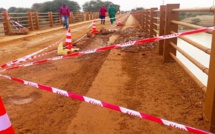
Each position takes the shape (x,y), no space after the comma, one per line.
(68,40)
(94,31)
(119,23)
(5,124)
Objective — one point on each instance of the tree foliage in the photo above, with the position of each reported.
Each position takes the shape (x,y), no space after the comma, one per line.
(49,6)
(195,21)
(2,9)
(18,10)
(95,5)
(138,8)
(54,6)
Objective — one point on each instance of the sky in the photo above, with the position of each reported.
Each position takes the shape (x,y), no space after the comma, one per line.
(125,4)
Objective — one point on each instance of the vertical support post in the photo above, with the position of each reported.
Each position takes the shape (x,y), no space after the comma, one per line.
(87,16)
(170,15)
(71,18)
(37,20)
(144,20)
(97,14)
(77,16)
(83,16)
(209,106)
(50,19)
(91,16)
(161,29)
(30,21)
(7,28)
(148,22)
(152,21)
(60,20)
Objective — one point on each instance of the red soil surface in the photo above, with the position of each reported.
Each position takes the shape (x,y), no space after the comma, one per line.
(134,77)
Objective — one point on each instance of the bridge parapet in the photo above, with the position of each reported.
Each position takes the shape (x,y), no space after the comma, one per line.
(165,21)
(37,20)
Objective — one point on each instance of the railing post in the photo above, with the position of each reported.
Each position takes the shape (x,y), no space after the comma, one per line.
(144,20)
(7,28)
(97,15)
(83,16)
(147,22)
(152,21)
(91,15)
(50,19)
(87,16)
(142,17)
(36,20)
(170,15)
(209,106)
(161,29)
(71,17)
(77,17)
(30,21)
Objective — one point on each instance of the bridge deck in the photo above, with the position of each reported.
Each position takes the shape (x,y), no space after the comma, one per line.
(134,78)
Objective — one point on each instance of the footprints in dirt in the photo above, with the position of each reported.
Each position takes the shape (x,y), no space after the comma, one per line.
(22,100)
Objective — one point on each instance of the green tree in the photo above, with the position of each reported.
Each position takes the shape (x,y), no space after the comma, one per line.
(18,10)
(195,21)
(92,6)
(95,5)
(36,6)
(139,8)
(54,6)
(12,9)
(2,9)
(182,15)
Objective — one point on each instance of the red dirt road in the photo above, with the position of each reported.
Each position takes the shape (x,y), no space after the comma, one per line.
(135,78)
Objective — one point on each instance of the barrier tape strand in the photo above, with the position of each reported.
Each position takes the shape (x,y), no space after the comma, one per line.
(31,56)
(107,105)
(126,44)
(13,62)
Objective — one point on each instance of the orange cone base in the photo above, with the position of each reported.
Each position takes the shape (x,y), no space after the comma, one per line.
(95,32)
(120,24)
(8,131)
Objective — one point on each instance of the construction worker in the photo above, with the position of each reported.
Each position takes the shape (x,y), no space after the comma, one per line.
(65,14)
(112,13)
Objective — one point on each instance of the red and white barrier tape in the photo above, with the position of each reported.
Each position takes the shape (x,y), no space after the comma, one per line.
(126,44)
(31,55)
(16,61)
(37,56)
(14,25)
(107,105)
(80,38)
